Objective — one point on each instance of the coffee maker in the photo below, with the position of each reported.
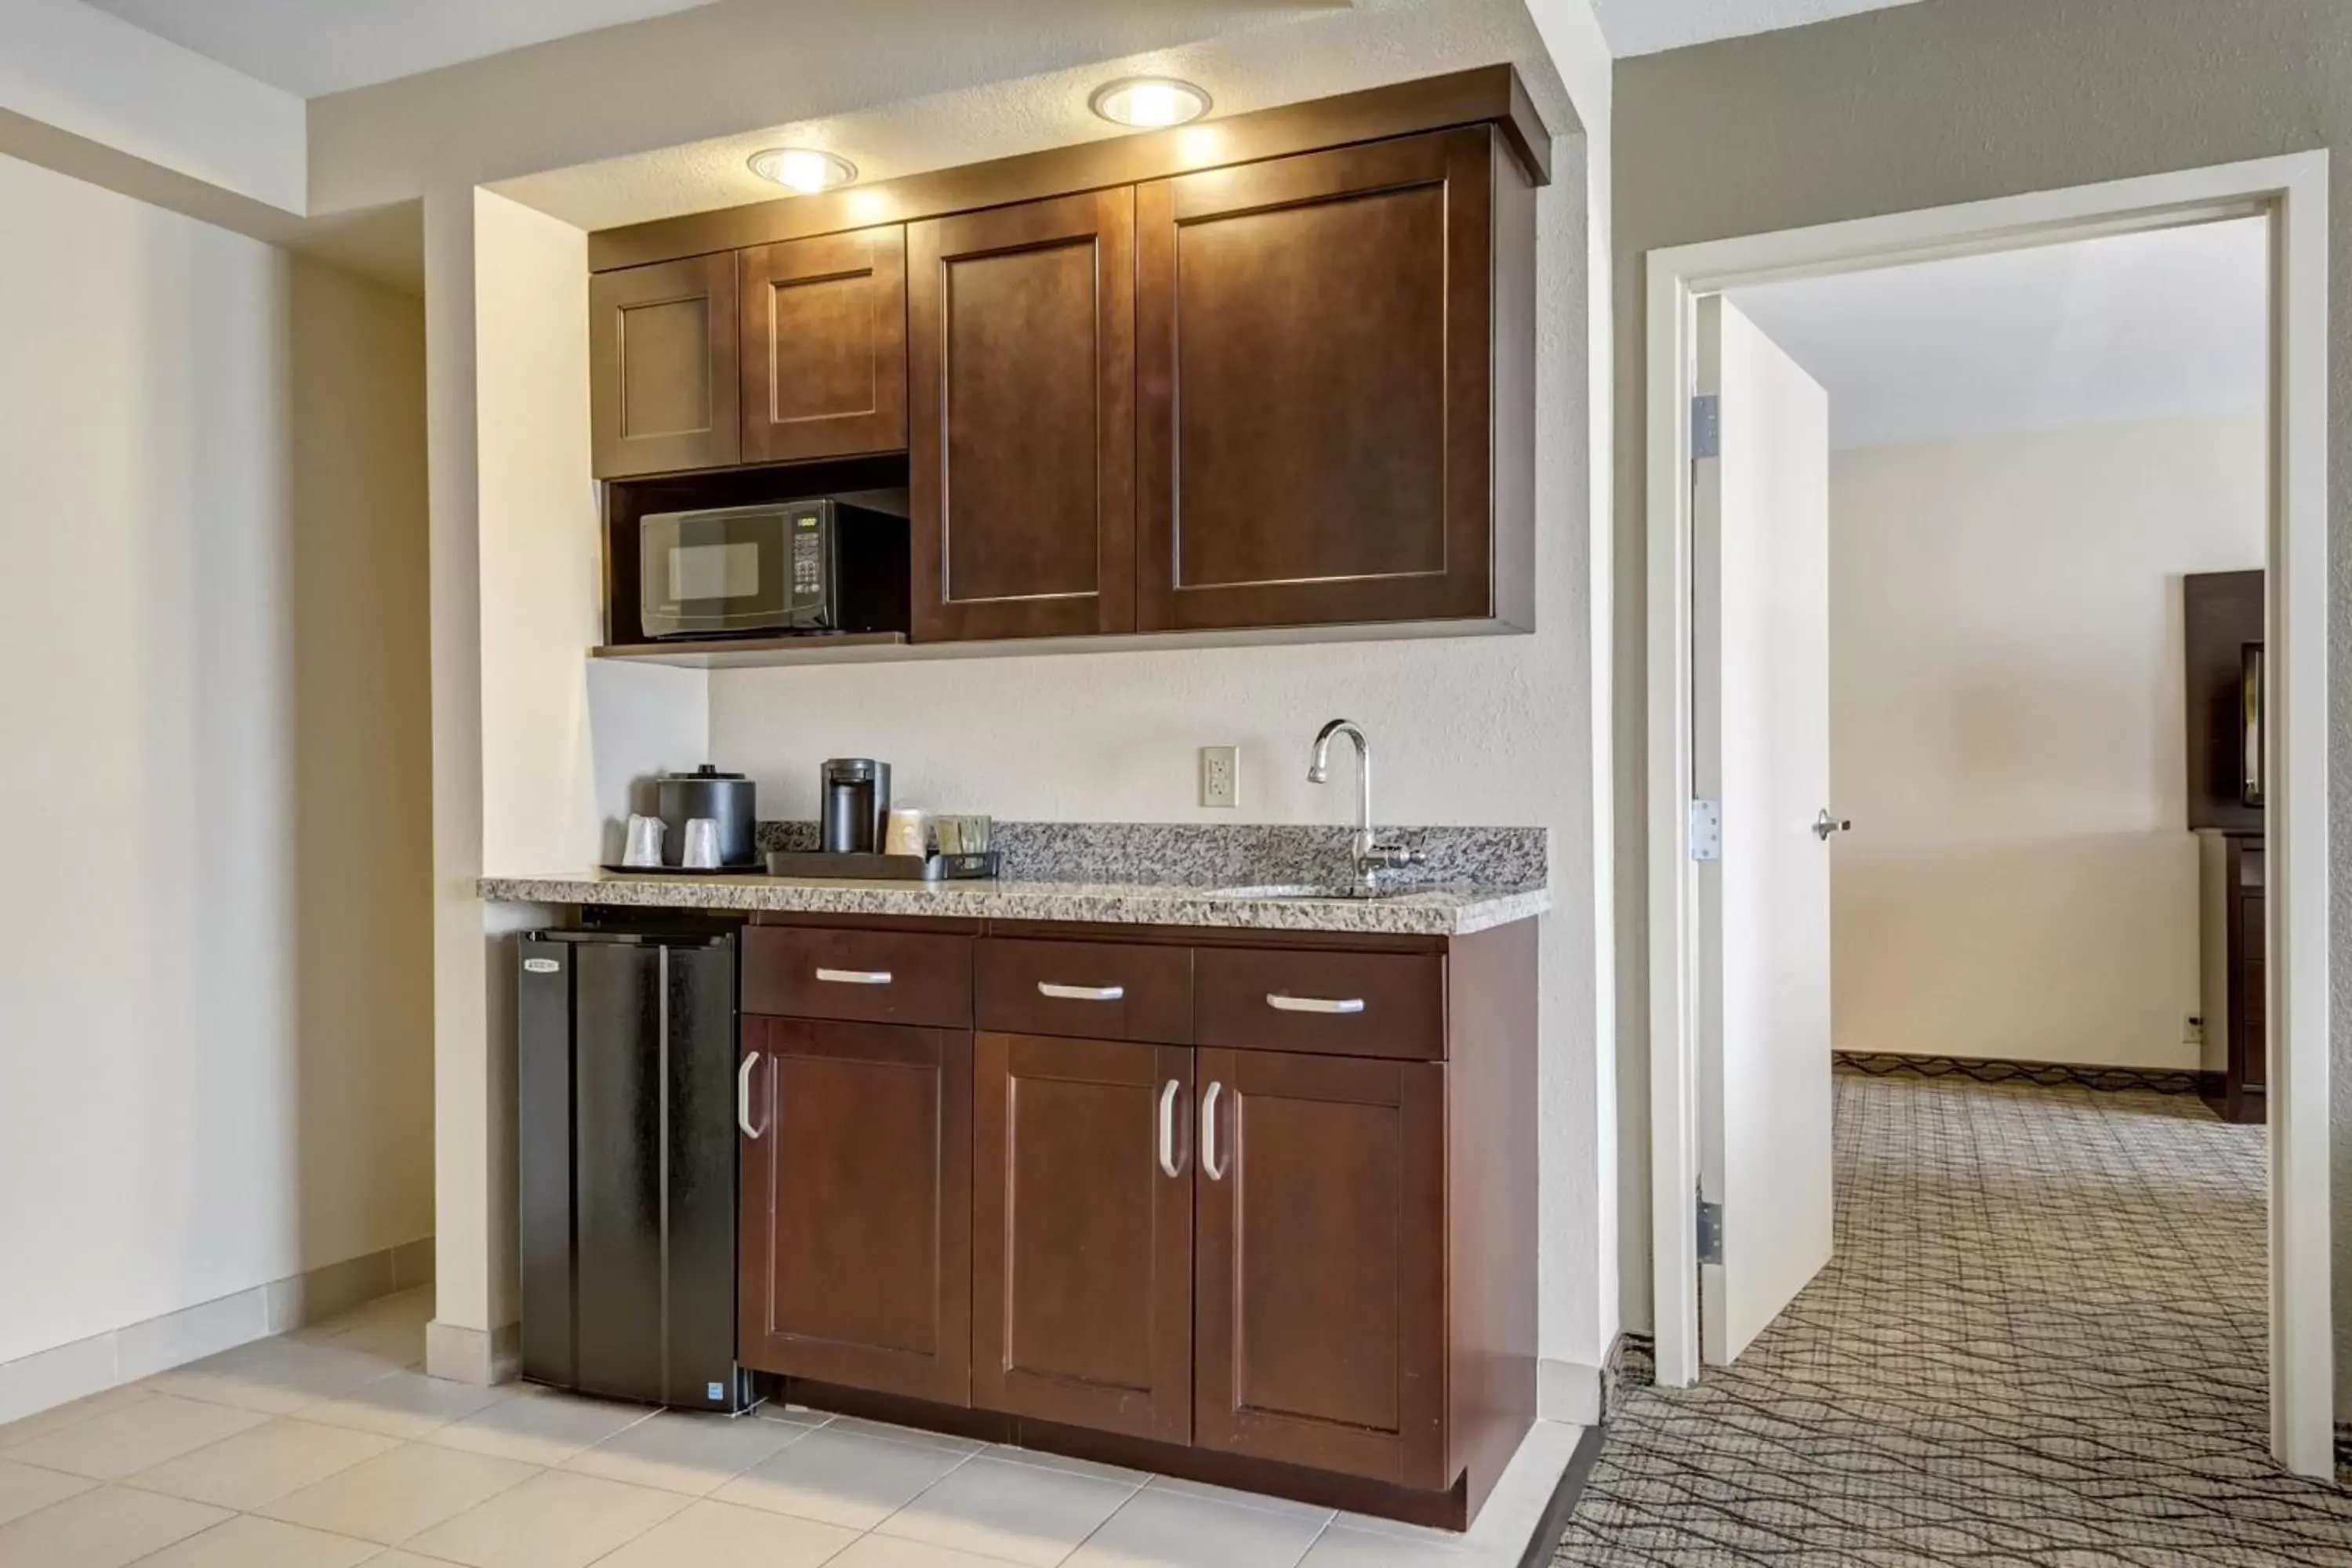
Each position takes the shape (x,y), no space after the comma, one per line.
(853,796)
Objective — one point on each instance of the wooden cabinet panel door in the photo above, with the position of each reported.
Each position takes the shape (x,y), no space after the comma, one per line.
(1082,1225)
(1021,349)
(855,1266)
(1314,365)
(662,383)
(825,345)
(1320,1263)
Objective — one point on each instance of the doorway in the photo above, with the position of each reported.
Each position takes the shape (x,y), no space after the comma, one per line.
(1704,1111)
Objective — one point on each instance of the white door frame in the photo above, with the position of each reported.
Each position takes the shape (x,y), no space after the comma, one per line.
(2292,190)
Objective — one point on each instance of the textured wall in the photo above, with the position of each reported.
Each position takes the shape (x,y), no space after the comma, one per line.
(215,1042)
(1922,106)
(2007,731)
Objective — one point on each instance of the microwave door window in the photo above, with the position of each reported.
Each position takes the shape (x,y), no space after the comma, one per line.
(700,574)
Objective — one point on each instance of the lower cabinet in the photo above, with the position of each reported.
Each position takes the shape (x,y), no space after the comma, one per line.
(1273,1285)
(1292,1252)
(1320,1259)
(1082,1231)
(856,1261)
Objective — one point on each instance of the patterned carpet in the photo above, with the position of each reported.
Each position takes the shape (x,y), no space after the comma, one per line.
(2041,1341)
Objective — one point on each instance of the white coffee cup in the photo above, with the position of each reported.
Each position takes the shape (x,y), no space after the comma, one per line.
(702,844)
(644,844)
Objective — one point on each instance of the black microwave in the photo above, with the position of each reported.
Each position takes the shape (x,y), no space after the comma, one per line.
(823,565)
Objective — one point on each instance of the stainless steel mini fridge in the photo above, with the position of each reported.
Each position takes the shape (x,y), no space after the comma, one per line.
(626,1083)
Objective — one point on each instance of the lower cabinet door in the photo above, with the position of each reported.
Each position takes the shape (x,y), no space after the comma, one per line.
(1320,1263)
(1083,1224)
(856,1264)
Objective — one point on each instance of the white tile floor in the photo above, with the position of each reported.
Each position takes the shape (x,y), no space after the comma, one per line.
(331,1448)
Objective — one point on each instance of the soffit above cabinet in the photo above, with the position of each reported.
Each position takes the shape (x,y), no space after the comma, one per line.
(1487,95)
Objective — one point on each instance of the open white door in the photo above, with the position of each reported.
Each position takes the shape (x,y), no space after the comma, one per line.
(1762,751)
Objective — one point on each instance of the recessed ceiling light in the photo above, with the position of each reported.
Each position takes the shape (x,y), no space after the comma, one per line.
(1149,100)
(802,169)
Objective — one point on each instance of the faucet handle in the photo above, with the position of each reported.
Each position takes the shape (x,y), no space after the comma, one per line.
(1392,856)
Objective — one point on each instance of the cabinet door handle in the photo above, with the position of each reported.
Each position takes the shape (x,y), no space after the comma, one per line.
(1281,1004)
(744,1096)
(1167,1129)
(1080,993)
(854,976)
(1215,1172)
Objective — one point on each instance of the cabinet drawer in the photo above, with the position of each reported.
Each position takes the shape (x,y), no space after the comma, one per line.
(862,976)
(1343,1003)
(1092,990)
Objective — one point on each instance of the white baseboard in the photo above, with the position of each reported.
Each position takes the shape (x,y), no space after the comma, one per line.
(1568,1391)
(477,1356)
(48,1378)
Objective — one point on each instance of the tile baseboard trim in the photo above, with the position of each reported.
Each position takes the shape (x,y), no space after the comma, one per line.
(479,1356)
(1569,1391)
(2002,1069)
(80,1368)
(1543,1546)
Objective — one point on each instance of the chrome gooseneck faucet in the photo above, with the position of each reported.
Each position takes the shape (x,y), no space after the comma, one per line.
(1368,856)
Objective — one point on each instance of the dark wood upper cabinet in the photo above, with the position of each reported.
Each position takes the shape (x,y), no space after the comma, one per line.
(1134,394)
(855,1260)
(1318,383)
(1082,1227)
(1321,1314)
(662,368)
(824,346)
(1021,348)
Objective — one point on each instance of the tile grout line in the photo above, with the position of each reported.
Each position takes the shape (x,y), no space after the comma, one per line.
(1080,1544)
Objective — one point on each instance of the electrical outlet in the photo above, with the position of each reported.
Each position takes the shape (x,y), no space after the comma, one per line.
(1221,775)
(2192,1029)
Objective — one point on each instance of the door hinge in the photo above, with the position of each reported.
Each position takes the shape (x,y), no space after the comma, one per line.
(1707,426)
(1710,1232)
(1706,830)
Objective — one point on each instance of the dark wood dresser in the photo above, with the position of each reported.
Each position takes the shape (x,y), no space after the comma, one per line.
(2223,622)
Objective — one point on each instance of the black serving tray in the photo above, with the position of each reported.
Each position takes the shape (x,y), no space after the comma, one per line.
(753,870)
(881,868)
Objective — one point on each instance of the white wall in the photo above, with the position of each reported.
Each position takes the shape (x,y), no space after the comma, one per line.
(534,745)
(77,67)
(2007,733)
(215,1040)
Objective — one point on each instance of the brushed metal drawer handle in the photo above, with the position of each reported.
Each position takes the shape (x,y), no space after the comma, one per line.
(855,976)
(1080,993)
(744,1096)
(1282,1004)
(1167,1129)
(1209,1166)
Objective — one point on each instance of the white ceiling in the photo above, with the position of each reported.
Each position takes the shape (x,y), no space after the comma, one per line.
(2142,326)
(314,46)
(1648,26)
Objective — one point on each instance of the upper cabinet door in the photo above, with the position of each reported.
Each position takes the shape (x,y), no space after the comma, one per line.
(662,379)
(824,346)
(1315,364)
(1021,350)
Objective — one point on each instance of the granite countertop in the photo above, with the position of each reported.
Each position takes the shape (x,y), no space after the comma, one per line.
(1452,909)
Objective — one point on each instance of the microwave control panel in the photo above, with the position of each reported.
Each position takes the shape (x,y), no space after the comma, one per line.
(806,595)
